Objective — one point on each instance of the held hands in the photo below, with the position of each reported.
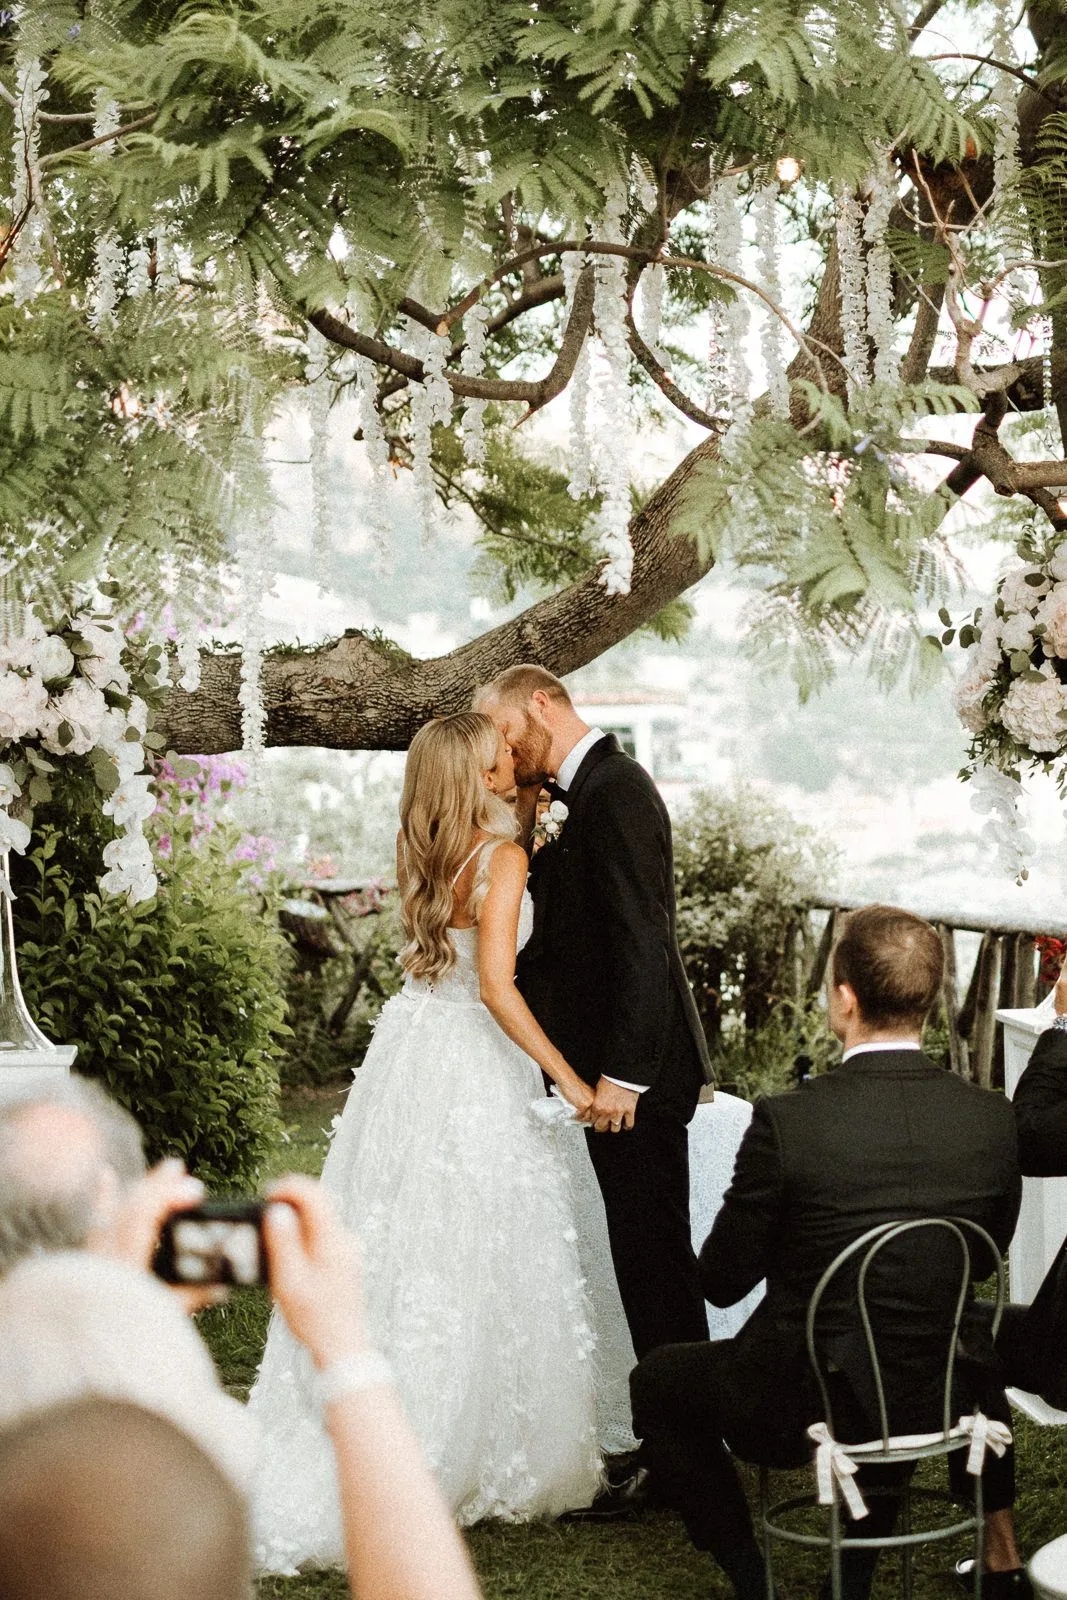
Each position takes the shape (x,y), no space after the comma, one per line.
(578,1094)
(613,1109)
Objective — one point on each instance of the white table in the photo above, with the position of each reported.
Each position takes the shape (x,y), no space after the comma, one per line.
(715,1133)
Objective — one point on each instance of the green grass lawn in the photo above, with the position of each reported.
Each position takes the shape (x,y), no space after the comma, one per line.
(648,1558)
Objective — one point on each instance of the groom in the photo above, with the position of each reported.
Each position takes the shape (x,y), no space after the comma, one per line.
(603,975)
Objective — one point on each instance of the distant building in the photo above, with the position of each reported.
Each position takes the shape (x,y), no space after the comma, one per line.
(659,730)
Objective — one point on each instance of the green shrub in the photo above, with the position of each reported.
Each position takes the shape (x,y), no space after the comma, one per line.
(175,1005)
(744,872)
(793,1043)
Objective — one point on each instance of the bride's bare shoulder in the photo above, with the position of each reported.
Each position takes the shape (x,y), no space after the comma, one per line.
(508,860)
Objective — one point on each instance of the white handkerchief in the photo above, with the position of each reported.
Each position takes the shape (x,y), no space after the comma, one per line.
(553,1111)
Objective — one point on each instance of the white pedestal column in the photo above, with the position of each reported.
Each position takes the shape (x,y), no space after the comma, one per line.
(22,1069)
(1043,1217)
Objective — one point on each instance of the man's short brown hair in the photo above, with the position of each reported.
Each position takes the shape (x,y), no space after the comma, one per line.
(515,685)
(893,962)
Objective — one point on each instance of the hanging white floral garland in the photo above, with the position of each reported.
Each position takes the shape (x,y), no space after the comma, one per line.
(166,276)
(880,275)
(431,404)
(109,258)
(581,479)
(138,272)
(1004,100)
(377,446)
(613,521)
(729,379)
(772,342)
(472,365)
(653,285)
(317,376)
(855,348)
(253,549)
(28,192)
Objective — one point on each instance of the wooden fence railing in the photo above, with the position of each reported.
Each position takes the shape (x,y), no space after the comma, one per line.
(1005,973)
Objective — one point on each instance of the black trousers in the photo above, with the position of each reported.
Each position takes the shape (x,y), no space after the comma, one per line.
(644,1178)
(693,1404)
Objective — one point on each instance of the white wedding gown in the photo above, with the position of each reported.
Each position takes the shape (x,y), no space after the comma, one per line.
(471,1277)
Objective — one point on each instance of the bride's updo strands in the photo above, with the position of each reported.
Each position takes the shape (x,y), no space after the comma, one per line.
(444,801)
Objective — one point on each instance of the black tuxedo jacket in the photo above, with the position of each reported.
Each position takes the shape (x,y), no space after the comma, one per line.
(888,1136)
(1040,1105)
(602,971)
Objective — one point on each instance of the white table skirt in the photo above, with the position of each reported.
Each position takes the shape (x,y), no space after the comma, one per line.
(715,1133)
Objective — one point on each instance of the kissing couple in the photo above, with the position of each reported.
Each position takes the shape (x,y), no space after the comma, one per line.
(562,966)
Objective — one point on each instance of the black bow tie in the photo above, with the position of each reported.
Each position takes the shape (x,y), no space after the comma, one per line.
(553,790)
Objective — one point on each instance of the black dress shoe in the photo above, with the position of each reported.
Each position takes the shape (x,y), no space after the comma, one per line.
(616,1502)
(1013,1585)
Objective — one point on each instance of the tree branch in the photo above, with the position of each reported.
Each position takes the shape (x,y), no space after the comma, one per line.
(663,381)
(103,138)
(358,693)
(535,394)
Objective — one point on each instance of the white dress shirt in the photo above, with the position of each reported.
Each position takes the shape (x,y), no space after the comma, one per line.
(880,1044)
(568,769)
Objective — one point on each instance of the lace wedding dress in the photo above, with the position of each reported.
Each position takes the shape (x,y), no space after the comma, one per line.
(473,1289)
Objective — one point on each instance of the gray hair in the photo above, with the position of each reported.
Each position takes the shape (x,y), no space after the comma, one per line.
(50,1206)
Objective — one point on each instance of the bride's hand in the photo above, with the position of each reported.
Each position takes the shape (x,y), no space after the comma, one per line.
(578,1094)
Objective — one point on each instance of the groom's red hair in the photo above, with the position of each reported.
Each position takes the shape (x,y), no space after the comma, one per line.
(515,685)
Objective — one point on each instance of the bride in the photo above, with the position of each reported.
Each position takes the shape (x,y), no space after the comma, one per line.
(473,1287)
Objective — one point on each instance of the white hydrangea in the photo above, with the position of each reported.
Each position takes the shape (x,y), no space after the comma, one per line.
(1057,565)
(19,643)
(968,695)
(1033,713)
(1018,632)
(52,659)
(23,705)
(1017,594)
(83,708)
(1052,612)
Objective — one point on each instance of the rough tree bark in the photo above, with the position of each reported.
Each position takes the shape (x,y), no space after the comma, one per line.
(360,693)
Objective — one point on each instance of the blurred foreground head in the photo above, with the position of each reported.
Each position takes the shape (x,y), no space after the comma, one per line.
(67,1154)
(104,1501)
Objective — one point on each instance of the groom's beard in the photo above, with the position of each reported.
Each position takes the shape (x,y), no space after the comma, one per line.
(530,754)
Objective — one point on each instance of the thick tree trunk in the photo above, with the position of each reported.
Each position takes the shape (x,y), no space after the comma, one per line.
(360,693)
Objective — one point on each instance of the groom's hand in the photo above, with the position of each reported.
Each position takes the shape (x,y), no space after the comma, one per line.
(613,1109)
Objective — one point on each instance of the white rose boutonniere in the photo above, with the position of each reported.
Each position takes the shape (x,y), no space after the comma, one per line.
(551,824)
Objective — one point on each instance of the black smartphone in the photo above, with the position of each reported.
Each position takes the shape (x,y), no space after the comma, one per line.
(220,1241)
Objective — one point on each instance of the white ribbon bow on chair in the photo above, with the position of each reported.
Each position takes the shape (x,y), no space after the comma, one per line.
(833,1464)
(986,1434)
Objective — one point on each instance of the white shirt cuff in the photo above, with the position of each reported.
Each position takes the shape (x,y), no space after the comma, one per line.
(638,1088)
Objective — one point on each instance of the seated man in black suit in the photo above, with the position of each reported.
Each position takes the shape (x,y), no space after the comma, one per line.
(887,1136)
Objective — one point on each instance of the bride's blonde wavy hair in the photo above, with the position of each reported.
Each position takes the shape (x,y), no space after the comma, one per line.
(444,801)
